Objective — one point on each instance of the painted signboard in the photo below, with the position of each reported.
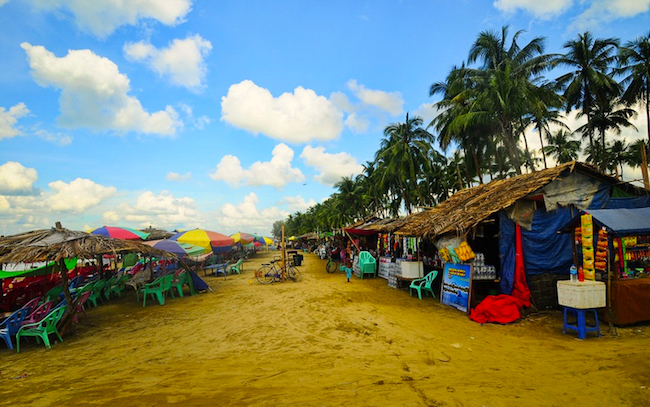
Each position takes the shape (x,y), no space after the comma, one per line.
(456,286)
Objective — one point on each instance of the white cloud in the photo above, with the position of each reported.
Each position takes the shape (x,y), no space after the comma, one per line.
(357,123)
(182,61)
(427,112)
(94,94)
(198,122)
(540,9)
(277,173)
(246,216)
(77,196)
(9,118)
(298,117)
(16,179)
(102,17)
(297,203)
(601,11)
(332,167)
(174,176)
(390,102)
(162,210)
(60,139)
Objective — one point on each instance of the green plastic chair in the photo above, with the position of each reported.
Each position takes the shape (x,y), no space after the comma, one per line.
(178,283)
(54,294)
(367,264)
(237,267)
(157,289)
(117,287)
(424,284)
(97,292)
(41,330)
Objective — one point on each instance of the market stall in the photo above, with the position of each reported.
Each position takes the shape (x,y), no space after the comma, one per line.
(613,246)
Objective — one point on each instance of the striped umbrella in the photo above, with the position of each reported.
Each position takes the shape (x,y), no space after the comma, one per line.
(120,233)
(242,238)
(178,248)
(209,240)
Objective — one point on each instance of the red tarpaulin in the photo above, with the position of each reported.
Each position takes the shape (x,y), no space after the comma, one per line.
(505,308)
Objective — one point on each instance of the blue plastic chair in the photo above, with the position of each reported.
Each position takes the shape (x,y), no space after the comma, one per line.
(10,326)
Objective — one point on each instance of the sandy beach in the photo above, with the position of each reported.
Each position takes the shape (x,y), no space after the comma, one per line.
(322,342)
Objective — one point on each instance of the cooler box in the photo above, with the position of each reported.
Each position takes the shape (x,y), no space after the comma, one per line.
(581,295)
(411,269)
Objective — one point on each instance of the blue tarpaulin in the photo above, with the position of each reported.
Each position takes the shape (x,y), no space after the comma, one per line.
(623,222)
(546,251)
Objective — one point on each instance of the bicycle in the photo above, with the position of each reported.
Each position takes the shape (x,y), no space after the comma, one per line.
(270,273)
(332,264)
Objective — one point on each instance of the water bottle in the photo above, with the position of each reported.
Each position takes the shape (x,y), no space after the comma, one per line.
(574,274)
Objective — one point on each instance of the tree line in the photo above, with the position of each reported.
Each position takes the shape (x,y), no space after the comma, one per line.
(489,103)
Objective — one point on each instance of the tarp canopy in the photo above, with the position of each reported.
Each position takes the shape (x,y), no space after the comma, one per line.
(620,222)
(43,270)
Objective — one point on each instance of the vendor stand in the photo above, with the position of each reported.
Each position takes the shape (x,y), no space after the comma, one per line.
(617,250)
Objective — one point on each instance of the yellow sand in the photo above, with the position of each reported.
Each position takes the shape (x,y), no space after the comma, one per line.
(322,342)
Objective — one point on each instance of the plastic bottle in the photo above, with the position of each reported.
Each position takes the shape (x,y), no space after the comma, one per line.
(573,273)
(581,274)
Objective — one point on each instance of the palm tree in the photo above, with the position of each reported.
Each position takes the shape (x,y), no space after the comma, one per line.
(634,61)
(562,147)
(606,114)
(402,159)
(589,60)
(505,85)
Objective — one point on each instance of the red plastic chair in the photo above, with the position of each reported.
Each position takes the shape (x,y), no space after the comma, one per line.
(32,304)
(80,305)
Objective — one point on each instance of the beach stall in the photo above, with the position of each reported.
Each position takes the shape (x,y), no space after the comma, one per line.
(488,217)
(613,246)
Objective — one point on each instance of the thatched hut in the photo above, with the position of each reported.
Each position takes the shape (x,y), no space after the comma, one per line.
(58,244)
(541,203)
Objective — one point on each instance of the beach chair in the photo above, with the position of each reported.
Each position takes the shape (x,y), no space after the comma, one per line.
(10,326)
(96,293)
(424,284)
(80,305)
(237,267)
(41,330)
(179,280)
(117,287)
(54,293)
(39,313)
(139,279)
(217,268)
(32,304)
(158,289)
(367,264)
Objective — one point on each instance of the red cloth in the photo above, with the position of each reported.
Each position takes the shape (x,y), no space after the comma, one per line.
(503,308)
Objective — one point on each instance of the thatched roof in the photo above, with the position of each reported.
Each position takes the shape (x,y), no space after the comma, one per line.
(309,236)
(59,243)
(376,225)
(157,234)
(468,207)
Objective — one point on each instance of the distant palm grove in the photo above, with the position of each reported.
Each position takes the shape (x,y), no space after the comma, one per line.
(488,103)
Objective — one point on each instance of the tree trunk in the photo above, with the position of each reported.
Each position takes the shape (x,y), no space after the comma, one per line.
(528,157)
(541,142)
(477,166)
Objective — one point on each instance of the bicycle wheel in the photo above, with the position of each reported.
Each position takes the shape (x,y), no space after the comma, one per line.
(294,274)
(331,266)
(265,274)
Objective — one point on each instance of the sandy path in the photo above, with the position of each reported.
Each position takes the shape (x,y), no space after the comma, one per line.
(322,342)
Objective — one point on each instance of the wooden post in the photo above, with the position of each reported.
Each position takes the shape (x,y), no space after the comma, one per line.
(284,253)
(68,321)
(644,167)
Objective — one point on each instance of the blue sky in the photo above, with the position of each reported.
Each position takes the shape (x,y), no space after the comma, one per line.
(229,115)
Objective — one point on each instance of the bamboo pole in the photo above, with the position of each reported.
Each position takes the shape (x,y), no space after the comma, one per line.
(284,253)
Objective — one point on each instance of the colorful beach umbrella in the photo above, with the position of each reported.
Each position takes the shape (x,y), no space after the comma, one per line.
(178,248)
(242,238)
(264,240)
(209,240)
(120,233)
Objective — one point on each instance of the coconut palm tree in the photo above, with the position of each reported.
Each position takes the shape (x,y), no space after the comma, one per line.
(589,61)
(561,147)
(402,159)
(634,62)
